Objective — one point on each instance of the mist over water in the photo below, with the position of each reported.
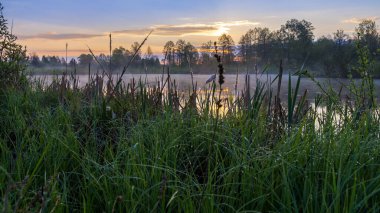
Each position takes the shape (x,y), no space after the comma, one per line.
(233,85)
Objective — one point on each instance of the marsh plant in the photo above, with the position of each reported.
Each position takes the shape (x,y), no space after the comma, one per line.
(143,147)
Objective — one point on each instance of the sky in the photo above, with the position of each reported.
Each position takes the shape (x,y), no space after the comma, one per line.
(45,26)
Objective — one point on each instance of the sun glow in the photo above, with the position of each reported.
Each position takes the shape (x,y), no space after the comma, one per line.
(53,43)
(222,30)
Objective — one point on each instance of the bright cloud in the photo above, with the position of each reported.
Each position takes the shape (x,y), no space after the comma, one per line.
(356,20)
(61,36)
(210,29)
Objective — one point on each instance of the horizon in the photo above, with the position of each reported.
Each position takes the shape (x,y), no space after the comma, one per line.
(47,29)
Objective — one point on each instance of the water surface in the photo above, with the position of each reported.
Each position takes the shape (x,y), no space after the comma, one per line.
(234,84)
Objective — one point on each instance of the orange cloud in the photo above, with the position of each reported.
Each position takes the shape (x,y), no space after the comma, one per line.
(212,29)
(356,20)
(64,36)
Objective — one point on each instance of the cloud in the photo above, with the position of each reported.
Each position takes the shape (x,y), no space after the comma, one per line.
(236,23)
(64,36)
(213,29)
(171,30)
(210,29)
(186,18)
(356,20)
(51,51)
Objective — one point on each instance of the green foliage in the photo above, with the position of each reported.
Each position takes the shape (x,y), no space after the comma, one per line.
(68,149)
(334,56)
(255,44)
(364,93)
(298,37)
(368,34)
(144,148)
(12,55)
(66,154)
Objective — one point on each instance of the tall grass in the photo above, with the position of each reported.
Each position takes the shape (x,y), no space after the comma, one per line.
(147,148)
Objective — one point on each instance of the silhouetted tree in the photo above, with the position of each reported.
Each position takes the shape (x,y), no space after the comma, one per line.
(85,59)
(343,52)
(135,48)
(298,36)
(227,47)
(191,54)
(149,53)
(264,36)
(206,52)
(367,33)
(73,62)
(35,60)
(150,60)
(180,52)
(185,53)
(119,57)
(45,60)
(169,51)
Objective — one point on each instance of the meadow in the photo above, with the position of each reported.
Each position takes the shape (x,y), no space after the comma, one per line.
(140,148)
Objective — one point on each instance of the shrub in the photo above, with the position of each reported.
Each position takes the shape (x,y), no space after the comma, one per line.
(12,56)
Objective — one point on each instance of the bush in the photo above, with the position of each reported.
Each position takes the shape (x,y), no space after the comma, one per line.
(12,56)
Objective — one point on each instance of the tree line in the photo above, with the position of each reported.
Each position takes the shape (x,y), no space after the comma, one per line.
(120,56)
(294,43)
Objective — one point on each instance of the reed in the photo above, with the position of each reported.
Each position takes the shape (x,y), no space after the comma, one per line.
(64,149)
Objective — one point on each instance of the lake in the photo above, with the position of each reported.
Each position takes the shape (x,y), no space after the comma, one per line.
(184,82)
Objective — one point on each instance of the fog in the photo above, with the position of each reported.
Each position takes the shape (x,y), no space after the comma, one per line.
(184,82)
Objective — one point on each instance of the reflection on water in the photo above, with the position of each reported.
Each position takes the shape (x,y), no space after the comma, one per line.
(234,85)
(207,97)
(338,117)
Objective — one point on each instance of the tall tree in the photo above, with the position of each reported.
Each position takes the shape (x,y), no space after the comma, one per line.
(180,52)
(149,53)
(340,37)
(298,38)
(247,46)
(85,59)
(254,45)
(45,60)
(73,62)
(191,54)
(367,33)
(227,47)
(264,35)
(135,49)
(119,57)
(343,53)
(169,51)
(206,52)
(35,60)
